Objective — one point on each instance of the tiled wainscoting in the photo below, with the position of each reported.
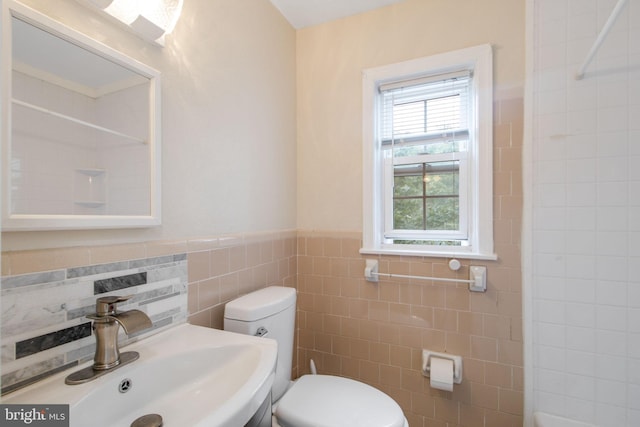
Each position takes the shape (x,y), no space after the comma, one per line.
(223,269)
(375,332)
(46,294)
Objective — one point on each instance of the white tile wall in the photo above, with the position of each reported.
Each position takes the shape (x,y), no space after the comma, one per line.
(586,214)
(41,186)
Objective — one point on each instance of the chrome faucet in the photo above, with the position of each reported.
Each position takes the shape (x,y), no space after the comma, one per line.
(106,322)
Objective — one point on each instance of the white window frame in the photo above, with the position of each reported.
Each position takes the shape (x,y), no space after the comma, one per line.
(479,191)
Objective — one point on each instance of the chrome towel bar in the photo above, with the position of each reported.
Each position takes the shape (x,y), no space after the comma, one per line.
(477,276)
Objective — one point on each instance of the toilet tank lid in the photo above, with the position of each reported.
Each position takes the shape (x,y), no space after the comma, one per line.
(260,304)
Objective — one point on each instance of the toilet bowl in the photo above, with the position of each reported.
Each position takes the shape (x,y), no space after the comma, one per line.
(311,400)
(330,401)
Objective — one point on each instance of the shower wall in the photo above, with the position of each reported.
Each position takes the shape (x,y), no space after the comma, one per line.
(62,168)
(585,221)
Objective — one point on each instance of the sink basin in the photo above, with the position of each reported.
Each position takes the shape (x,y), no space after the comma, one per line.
(189,375)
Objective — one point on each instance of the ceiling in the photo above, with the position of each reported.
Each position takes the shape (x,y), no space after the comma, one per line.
(305,13)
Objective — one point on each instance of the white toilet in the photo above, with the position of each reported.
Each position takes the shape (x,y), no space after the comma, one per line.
(312,400)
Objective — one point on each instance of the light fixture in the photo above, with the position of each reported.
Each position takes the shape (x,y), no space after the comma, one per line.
(149,19)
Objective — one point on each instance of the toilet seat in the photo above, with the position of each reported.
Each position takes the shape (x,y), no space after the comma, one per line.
(330,401)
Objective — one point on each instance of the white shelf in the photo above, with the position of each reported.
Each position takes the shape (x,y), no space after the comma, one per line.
(78,121)
(90,188)
(91,172)
(90,204)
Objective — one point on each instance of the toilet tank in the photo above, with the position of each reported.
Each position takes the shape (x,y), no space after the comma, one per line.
(268,312)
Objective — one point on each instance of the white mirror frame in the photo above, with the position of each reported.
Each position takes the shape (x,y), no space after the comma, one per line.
(28,222)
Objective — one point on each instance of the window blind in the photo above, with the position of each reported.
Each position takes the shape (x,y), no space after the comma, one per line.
(426,110)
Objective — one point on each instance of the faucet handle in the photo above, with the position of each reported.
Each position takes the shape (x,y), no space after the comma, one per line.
(107,305)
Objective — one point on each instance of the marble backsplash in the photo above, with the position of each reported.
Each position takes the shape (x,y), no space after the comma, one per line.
(44,329)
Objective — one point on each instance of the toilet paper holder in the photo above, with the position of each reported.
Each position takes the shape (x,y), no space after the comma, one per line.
(457,364)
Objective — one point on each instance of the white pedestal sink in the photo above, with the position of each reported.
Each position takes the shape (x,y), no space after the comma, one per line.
(189,375)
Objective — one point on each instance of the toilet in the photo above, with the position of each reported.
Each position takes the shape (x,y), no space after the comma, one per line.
(311,400)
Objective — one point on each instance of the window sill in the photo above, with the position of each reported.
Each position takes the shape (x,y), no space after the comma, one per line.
(430,253)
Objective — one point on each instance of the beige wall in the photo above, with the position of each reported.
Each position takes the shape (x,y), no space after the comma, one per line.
(330,61)
(228,121)
(375,332)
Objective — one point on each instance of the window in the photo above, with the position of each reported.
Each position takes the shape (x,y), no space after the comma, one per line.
(427,129)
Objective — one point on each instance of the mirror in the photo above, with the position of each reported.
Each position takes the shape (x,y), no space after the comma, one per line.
(80,130)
